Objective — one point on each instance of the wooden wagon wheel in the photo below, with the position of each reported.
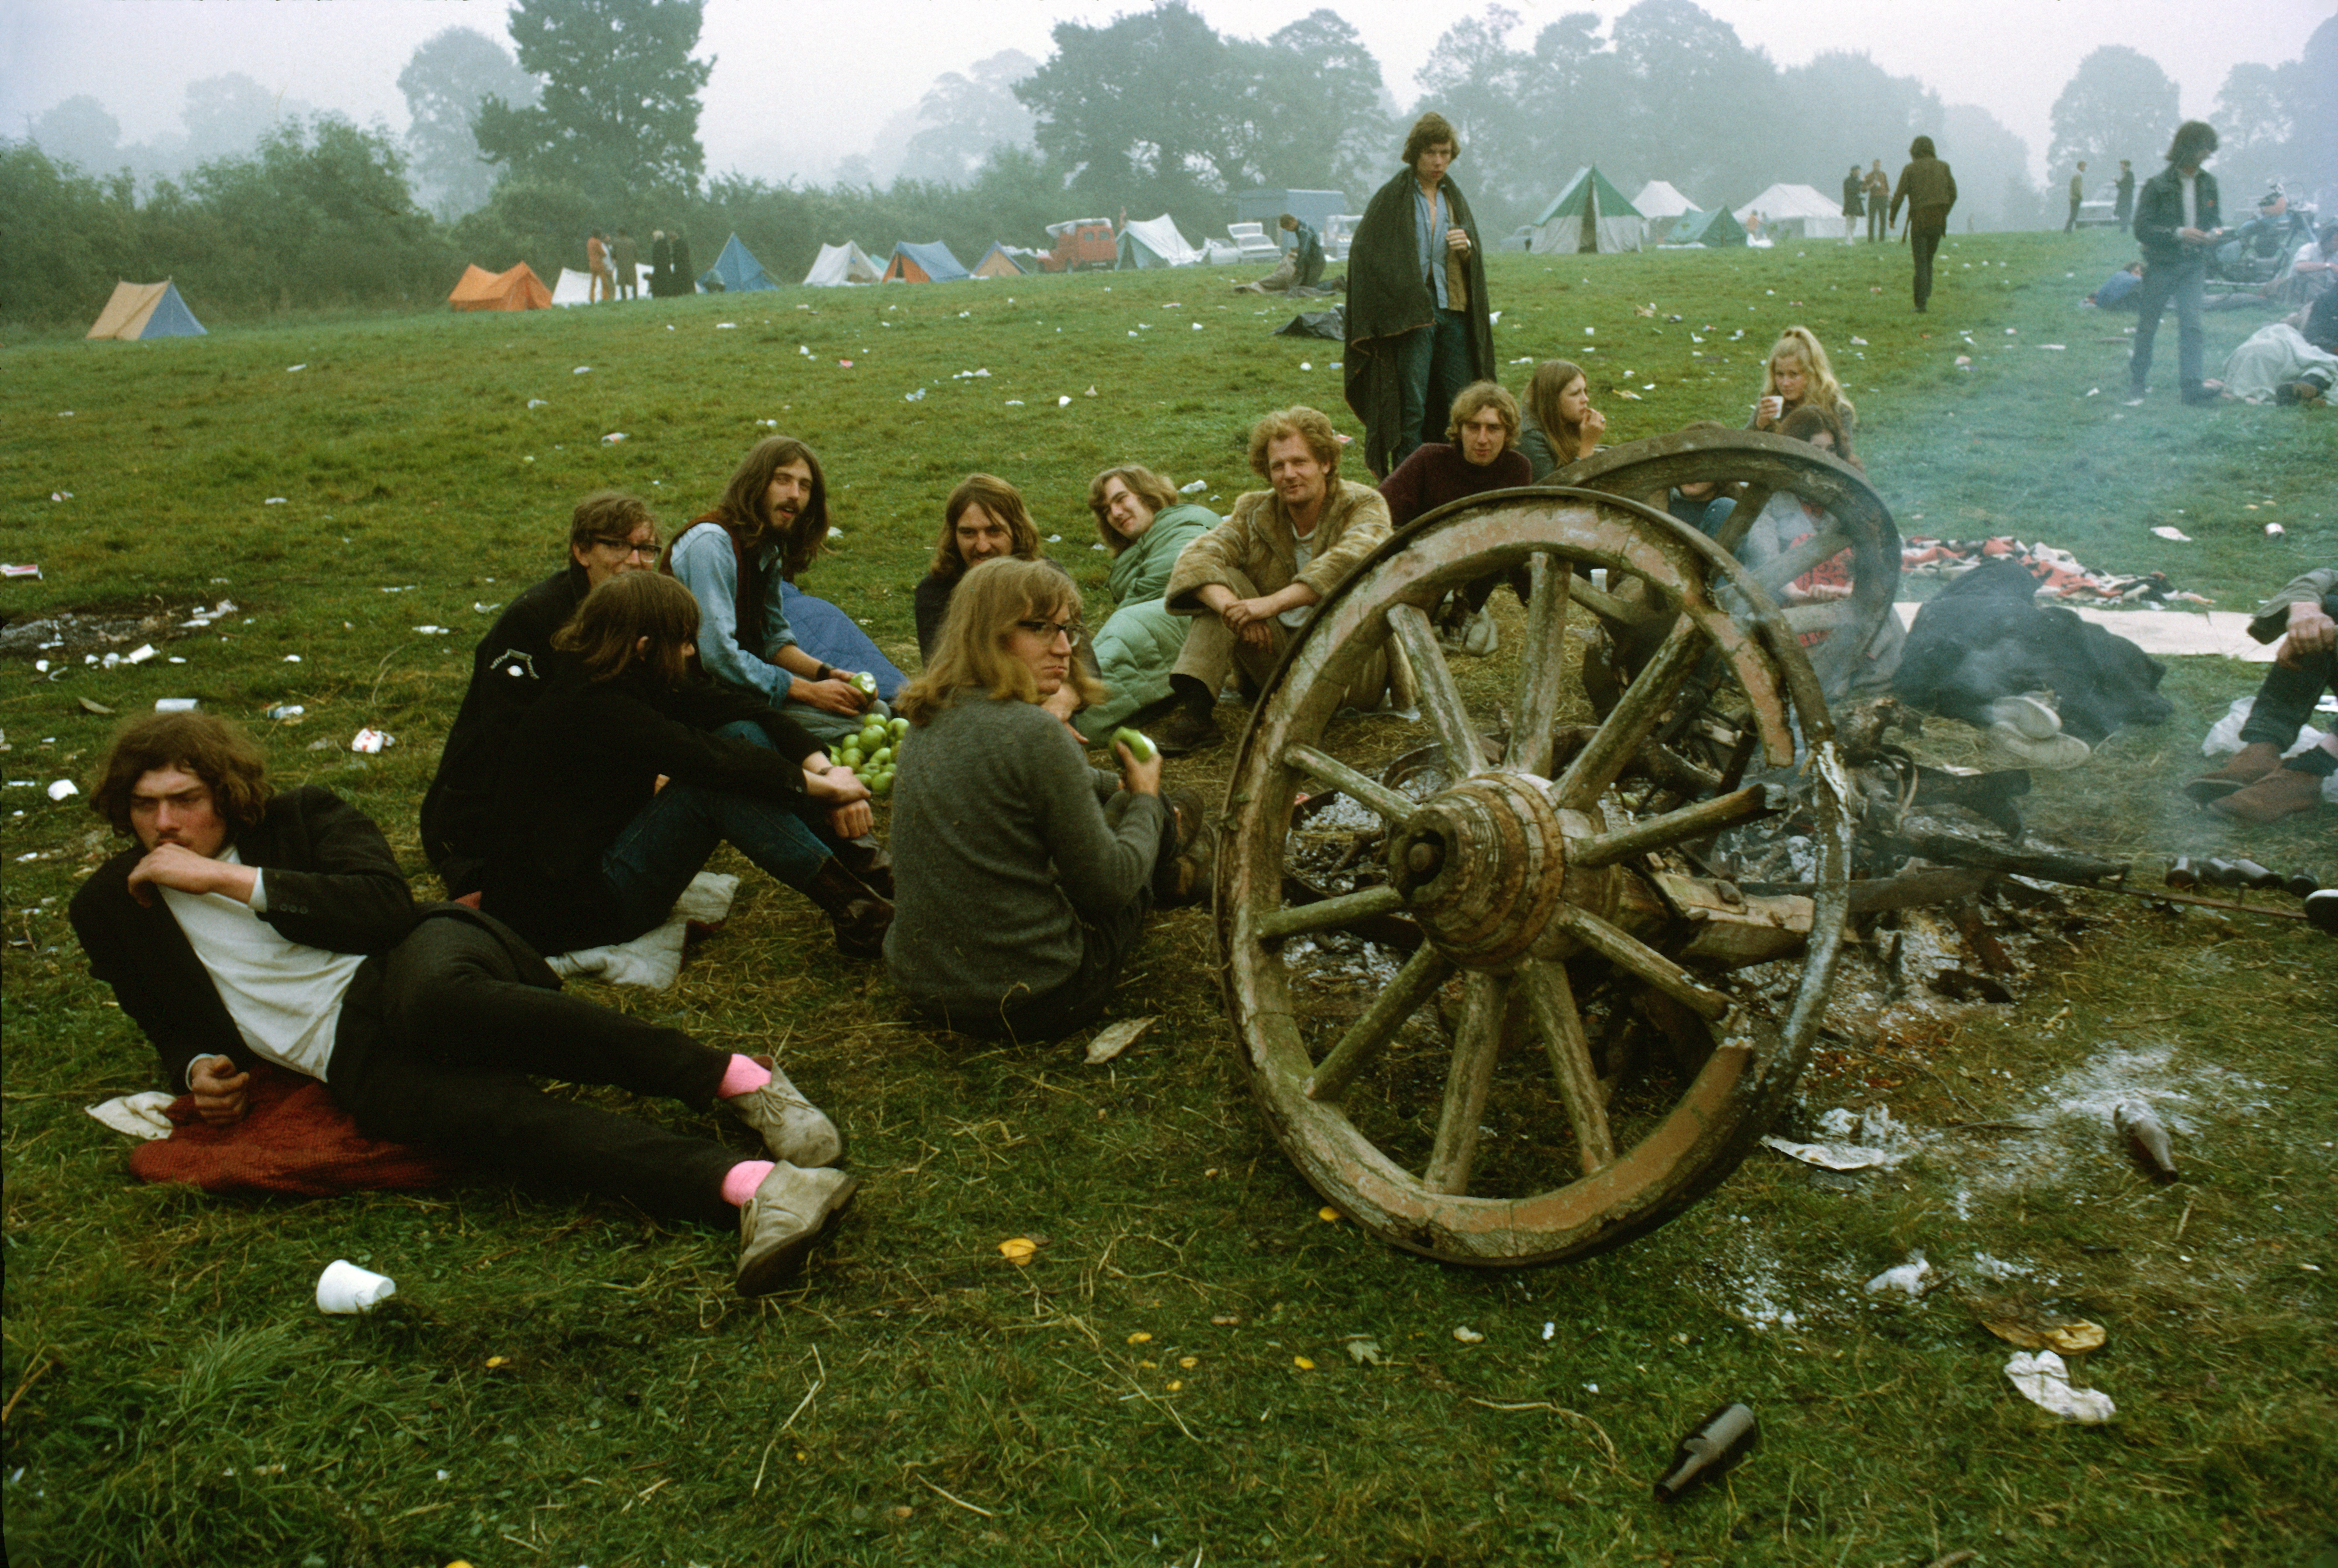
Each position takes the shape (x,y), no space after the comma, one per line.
(1539,929)
(1767,467)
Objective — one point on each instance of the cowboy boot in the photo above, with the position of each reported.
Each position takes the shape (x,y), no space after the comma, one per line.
(2256,760)
(866,858)
(2284,792)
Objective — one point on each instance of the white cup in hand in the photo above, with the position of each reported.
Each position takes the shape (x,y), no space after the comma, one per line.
(345,1289)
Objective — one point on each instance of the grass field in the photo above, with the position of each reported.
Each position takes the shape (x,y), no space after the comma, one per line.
(1169,1379)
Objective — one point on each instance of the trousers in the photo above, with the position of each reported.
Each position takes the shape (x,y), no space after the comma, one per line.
(1923,247)
(2285,701)
(460,1037)
(1213,652)
(1435,367)
(2182,283)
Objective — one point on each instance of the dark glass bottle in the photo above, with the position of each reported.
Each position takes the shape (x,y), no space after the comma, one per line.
(1720,1441)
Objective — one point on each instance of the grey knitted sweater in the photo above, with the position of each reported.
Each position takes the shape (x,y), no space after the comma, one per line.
(1000,847)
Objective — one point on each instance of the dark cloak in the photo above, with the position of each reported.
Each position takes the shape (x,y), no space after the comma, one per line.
(1388,297)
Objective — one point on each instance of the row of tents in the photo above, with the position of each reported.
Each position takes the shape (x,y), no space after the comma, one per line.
(1590,214)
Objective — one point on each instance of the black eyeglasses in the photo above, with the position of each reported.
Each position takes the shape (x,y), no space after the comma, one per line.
(1048,631)
(628,547)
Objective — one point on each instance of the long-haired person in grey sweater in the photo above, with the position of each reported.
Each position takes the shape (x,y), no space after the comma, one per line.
(1022,875)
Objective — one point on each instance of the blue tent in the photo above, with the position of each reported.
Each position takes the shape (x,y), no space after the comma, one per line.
(929,263)
(735,272)
(138,311)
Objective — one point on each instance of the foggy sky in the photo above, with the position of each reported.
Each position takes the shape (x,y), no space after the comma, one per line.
(796,87)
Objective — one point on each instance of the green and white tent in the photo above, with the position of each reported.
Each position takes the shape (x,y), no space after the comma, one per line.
(1712,229)
(1588,214)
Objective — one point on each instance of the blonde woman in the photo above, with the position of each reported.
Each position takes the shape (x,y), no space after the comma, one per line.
(1797,374)
(1560,425)
(1023,875)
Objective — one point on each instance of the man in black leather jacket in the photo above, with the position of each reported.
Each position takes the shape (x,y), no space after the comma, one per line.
(2177,222)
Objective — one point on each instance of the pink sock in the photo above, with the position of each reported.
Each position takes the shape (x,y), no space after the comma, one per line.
(741,1077)
(739,1182)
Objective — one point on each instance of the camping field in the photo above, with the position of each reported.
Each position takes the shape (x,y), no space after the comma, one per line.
(1178,1375)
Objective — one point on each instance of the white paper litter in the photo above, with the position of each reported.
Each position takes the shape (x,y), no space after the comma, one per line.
(63,789)
(2043,1380)
(1835,1156)
(370,740)
(2177,534)
(1908,1276)
(135,1115)
(1115,1038)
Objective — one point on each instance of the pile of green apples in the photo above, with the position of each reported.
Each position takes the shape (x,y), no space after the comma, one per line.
(871,754)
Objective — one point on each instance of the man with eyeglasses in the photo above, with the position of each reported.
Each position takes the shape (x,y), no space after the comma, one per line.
(610,533)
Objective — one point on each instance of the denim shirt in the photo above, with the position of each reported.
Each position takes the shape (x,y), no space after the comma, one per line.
(1430,219)
(702,563)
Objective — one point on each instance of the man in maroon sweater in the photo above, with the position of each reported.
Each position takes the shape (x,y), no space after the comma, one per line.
(1479,453)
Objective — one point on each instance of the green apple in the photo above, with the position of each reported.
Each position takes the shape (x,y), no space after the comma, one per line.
(1140,745)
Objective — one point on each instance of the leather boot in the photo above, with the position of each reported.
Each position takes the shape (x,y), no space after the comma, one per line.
(861,916)
(866,858)
(793,1129)
(1183,873)
(2284,792)
(2256,760)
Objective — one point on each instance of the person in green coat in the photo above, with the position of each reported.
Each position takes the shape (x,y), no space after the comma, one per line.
(1140,521)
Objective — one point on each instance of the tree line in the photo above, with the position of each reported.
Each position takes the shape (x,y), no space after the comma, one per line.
(590,120)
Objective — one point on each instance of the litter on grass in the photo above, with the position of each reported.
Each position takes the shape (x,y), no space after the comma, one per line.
(64,789)
(370,740)
(1114,1039)
(346,1289)
(135,1115)
(1907,1277)
(2044,1380)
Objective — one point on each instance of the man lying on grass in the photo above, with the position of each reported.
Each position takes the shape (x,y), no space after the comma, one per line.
(248,925)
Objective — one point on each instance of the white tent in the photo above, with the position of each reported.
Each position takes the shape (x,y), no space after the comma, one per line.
(1155,243)
(1660,198)
(837,265)
(575,287)
(1797,210)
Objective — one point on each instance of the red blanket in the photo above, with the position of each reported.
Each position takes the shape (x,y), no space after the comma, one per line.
(292,1140)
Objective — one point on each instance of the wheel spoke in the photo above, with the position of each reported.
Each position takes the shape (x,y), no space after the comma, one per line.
(1553,1001)
(1824,546)
(1369,1035)
(1371,793)
(1485,1019)
(1740,521)
(1599,601)
(1327,913)
(1677,827)
(1439,698)
(1635,718)
(1535,704)
(1628,953)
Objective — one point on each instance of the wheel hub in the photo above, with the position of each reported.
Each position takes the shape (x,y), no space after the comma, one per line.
(1482,865)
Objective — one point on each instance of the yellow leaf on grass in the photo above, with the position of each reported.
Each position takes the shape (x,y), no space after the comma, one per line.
(1140,1338)
(1018,1250)
(1189,1362)
(1303,1363)
(1329,1215)
(496,1361)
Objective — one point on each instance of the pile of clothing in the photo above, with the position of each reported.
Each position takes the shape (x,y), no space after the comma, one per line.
(2060,575)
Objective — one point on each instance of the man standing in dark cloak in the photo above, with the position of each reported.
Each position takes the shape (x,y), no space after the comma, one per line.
(1418,327)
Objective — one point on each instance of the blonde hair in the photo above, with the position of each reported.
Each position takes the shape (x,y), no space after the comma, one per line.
(1478,397)
(1312,425)
(1153,489)
(1002,501)
(983,610)
(1822,388)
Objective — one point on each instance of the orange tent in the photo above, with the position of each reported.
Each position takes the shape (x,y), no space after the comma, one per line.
(518,290)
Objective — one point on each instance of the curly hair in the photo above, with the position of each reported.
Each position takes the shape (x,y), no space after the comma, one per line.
(972,653)
(743,502)
(1002,501)
(1427,131)
(1478,397)
(1310,425)
(1153,489)
(213,750)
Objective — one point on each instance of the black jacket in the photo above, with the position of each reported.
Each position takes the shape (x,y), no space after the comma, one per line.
(2159,214)
(1389,298)
(585,759)
(510,669)
(331,883)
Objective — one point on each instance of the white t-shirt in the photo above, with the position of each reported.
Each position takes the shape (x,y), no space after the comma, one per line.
(284,997)
(1302,552)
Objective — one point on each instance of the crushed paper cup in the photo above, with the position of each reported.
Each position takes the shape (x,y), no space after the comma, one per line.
(345,1289)
(63,789)
(2043,1380)
(370,740)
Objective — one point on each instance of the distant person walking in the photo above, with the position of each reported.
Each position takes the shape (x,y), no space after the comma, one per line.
(1419,330)
(1854,207)
(597,262)
(628,260)
(1879,193)
(2177,222)
(2122,207)
(2078,195)
(1929,190)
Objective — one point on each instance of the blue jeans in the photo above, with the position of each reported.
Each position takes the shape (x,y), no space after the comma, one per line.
(1435,367)
(2181,284)
(670,838)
